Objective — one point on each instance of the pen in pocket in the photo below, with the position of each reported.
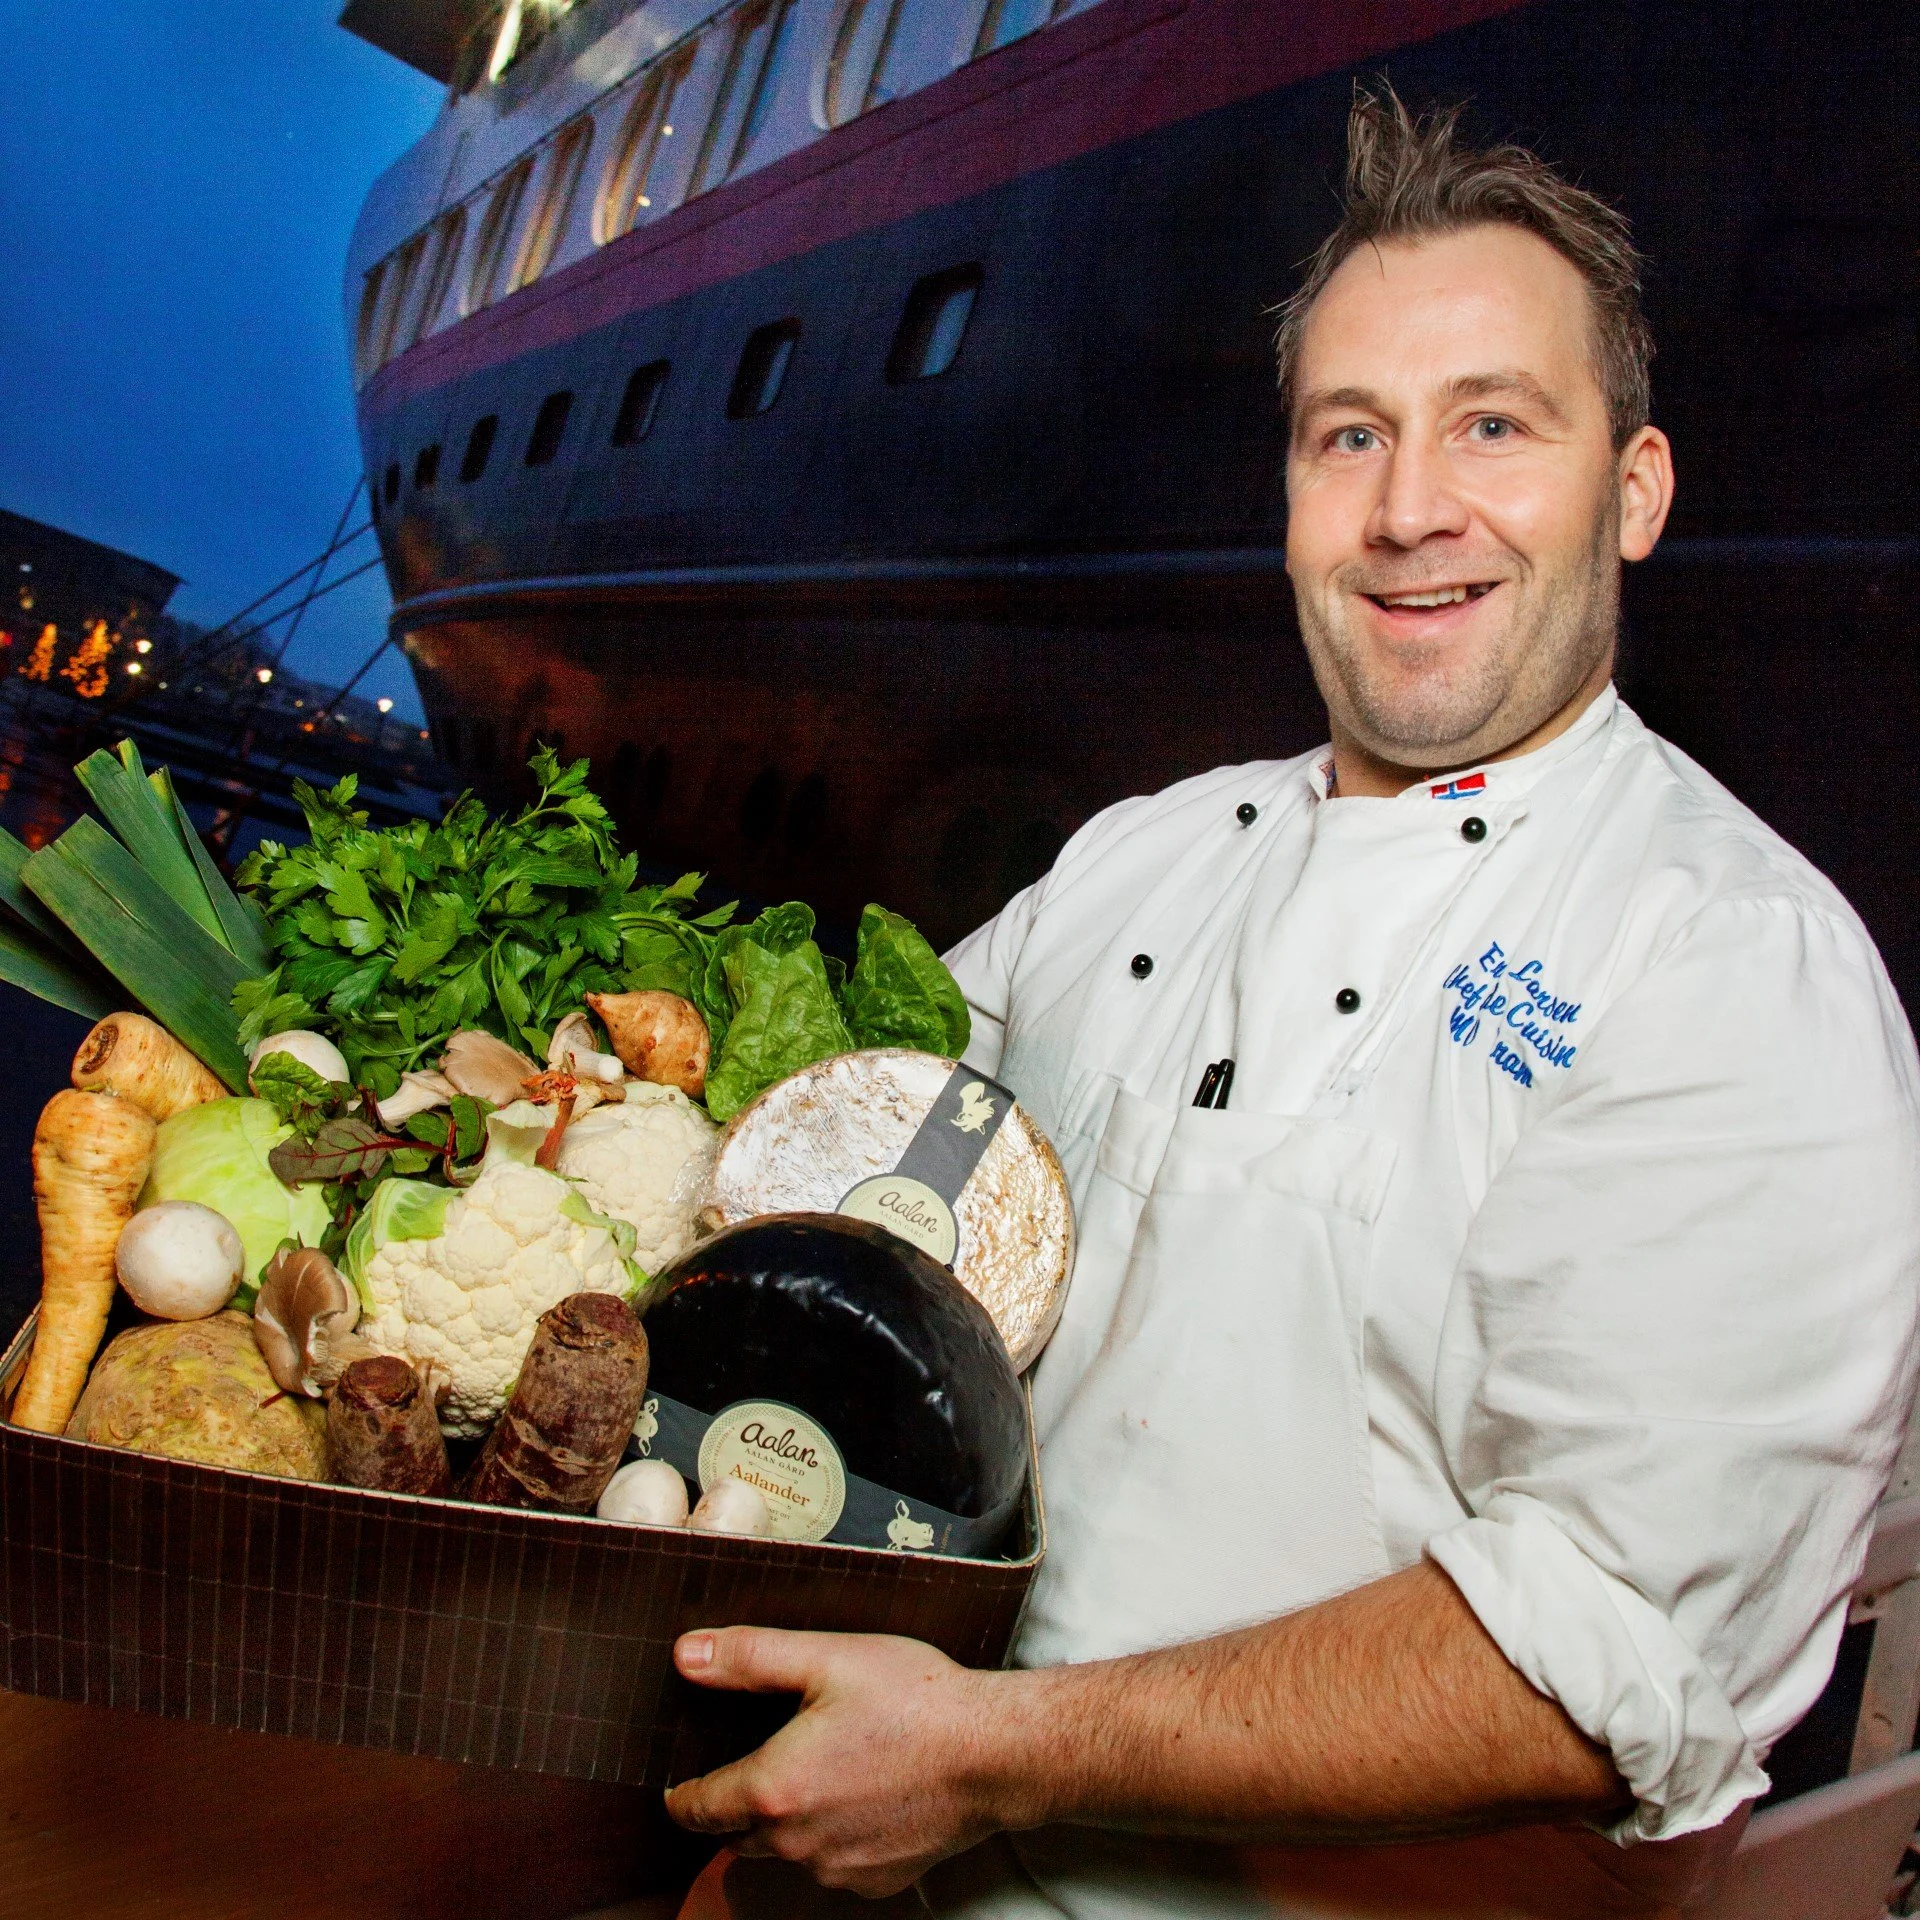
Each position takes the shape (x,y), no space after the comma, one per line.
(1215,1084)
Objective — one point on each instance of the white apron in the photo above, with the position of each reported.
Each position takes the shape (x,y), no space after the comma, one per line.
(1255,1225)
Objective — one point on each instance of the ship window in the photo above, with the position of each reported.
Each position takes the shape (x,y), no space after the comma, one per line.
(910,47)
(449,235)
(640,403)
(633,180)
(497,224)
(473,463)
(512,39)
(760,809)
(763,369)
(934,324)
(426,467)
(549,429)
(363,332)
(398,285)
(1010,20)
(806,812)
(655,778)
(744,103)
(549,225)
(391,490)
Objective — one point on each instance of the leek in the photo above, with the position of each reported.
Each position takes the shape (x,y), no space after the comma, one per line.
(181,974)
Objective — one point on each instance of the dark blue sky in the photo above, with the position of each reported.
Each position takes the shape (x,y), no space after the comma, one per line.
(178,182)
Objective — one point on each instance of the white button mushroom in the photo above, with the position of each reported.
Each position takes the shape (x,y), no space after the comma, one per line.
(645,1493)
(313,1050)
(179,1260)
(731,1506)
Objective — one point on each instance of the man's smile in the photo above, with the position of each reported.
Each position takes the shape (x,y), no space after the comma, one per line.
(1422,598)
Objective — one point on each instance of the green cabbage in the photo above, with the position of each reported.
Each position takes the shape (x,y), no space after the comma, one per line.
(216,1153)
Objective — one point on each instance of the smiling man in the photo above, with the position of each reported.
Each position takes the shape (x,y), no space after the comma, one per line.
(1464,1436)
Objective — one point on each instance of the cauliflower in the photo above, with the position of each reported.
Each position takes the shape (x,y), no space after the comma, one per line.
(456,1280)
(643,1161)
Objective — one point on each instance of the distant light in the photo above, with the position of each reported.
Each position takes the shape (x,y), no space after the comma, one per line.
(644,201)
(666,133)
(134,666)
(26,566)
(384,704)
(263,675)
(425,735)
(163,686)
(299,703)
(143,646)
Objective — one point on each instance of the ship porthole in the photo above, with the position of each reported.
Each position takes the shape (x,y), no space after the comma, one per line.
(806,813)
(655,778)
(760,810)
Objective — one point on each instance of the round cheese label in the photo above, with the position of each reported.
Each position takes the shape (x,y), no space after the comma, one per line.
(789,1459)
(909,1208)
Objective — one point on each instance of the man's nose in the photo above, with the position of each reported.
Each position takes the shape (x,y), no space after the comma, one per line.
(1418,499)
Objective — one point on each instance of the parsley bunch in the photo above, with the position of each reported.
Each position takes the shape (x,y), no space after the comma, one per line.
(390,940)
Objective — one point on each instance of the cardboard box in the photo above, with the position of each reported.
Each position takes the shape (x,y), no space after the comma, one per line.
(427,1626)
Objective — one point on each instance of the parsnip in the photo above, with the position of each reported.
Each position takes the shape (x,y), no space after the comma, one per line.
(90,1158)
(132,1056)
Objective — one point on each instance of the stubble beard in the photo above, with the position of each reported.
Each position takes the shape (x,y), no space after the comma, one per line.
(1557,635)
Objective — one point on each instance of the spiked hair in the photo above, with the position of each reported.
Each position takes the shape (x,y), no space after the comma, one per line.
(1416,179)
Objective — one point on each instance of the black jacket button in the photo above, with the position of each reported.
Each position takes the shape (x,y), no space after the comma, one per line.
(1142,965)
(1347,1000)
(1473,829)
(1246,813)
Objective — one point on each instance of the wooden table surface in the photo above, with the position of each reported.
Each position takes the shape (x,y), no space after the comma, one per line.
(105,1814)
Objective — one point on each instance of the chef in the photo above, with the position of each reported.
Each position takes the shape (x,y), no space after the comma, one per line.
(1498,1183)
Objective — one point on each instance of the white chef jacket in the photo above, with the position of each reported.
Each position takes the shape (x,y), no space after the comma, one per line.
(1638,1116)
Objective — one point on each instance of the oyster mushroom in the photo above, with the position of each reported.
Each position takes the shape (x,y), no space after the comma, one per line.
(303,1319)
(658,1036)
(417,1093)
(571,1050)
(484,1068)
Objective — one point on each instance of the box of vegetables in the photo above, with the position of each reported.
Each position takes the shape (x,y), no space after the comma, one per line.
(466,1266)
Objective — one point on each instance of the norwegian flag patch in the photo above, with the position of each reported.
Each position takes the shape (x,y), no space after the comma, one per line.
(1458,789)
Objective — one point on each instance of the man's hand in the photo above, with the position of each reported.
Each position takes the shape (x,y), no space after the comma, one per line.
(1387,1713)
(873,1780)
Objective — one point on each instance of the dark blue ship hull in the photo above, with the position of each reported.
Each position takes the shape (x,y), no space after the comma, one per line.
(896,640)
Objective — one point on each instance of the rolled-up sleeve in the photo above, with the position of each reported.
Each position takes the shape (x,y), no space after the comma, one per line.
(1678,1356)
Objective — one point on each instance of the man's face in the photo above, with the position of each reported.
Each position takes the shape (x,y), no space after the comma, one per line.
(1455,503)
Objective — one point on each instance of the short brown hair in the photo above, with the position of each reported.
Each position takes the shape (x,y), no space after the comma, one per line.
(1411,179)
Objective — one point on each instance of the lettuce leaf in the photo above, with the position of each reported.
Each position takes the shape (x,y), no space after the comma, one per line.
(900,993)
(784,1018)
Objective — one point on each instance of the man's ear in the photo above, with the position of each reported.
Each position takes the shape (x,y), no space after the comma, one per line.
(1646,491)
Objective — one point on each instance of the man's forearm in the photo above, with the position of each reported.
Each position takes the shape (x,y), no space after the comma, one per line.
(1387,1712)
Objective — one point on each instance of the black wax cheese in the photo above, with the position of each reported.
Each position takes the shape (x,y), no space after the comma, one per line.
(865,1334)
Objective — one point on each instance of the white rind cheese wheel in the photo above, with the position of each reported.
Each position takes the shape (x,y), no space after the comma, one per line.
(805,1142)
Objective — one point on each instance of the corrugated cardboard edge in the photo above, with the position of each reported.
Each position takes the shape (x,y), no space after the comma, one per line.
(427,1627)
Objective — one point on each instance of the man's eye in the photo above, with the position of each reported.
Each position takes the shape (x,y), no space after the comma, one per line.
(1490,427)
(1356,440)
